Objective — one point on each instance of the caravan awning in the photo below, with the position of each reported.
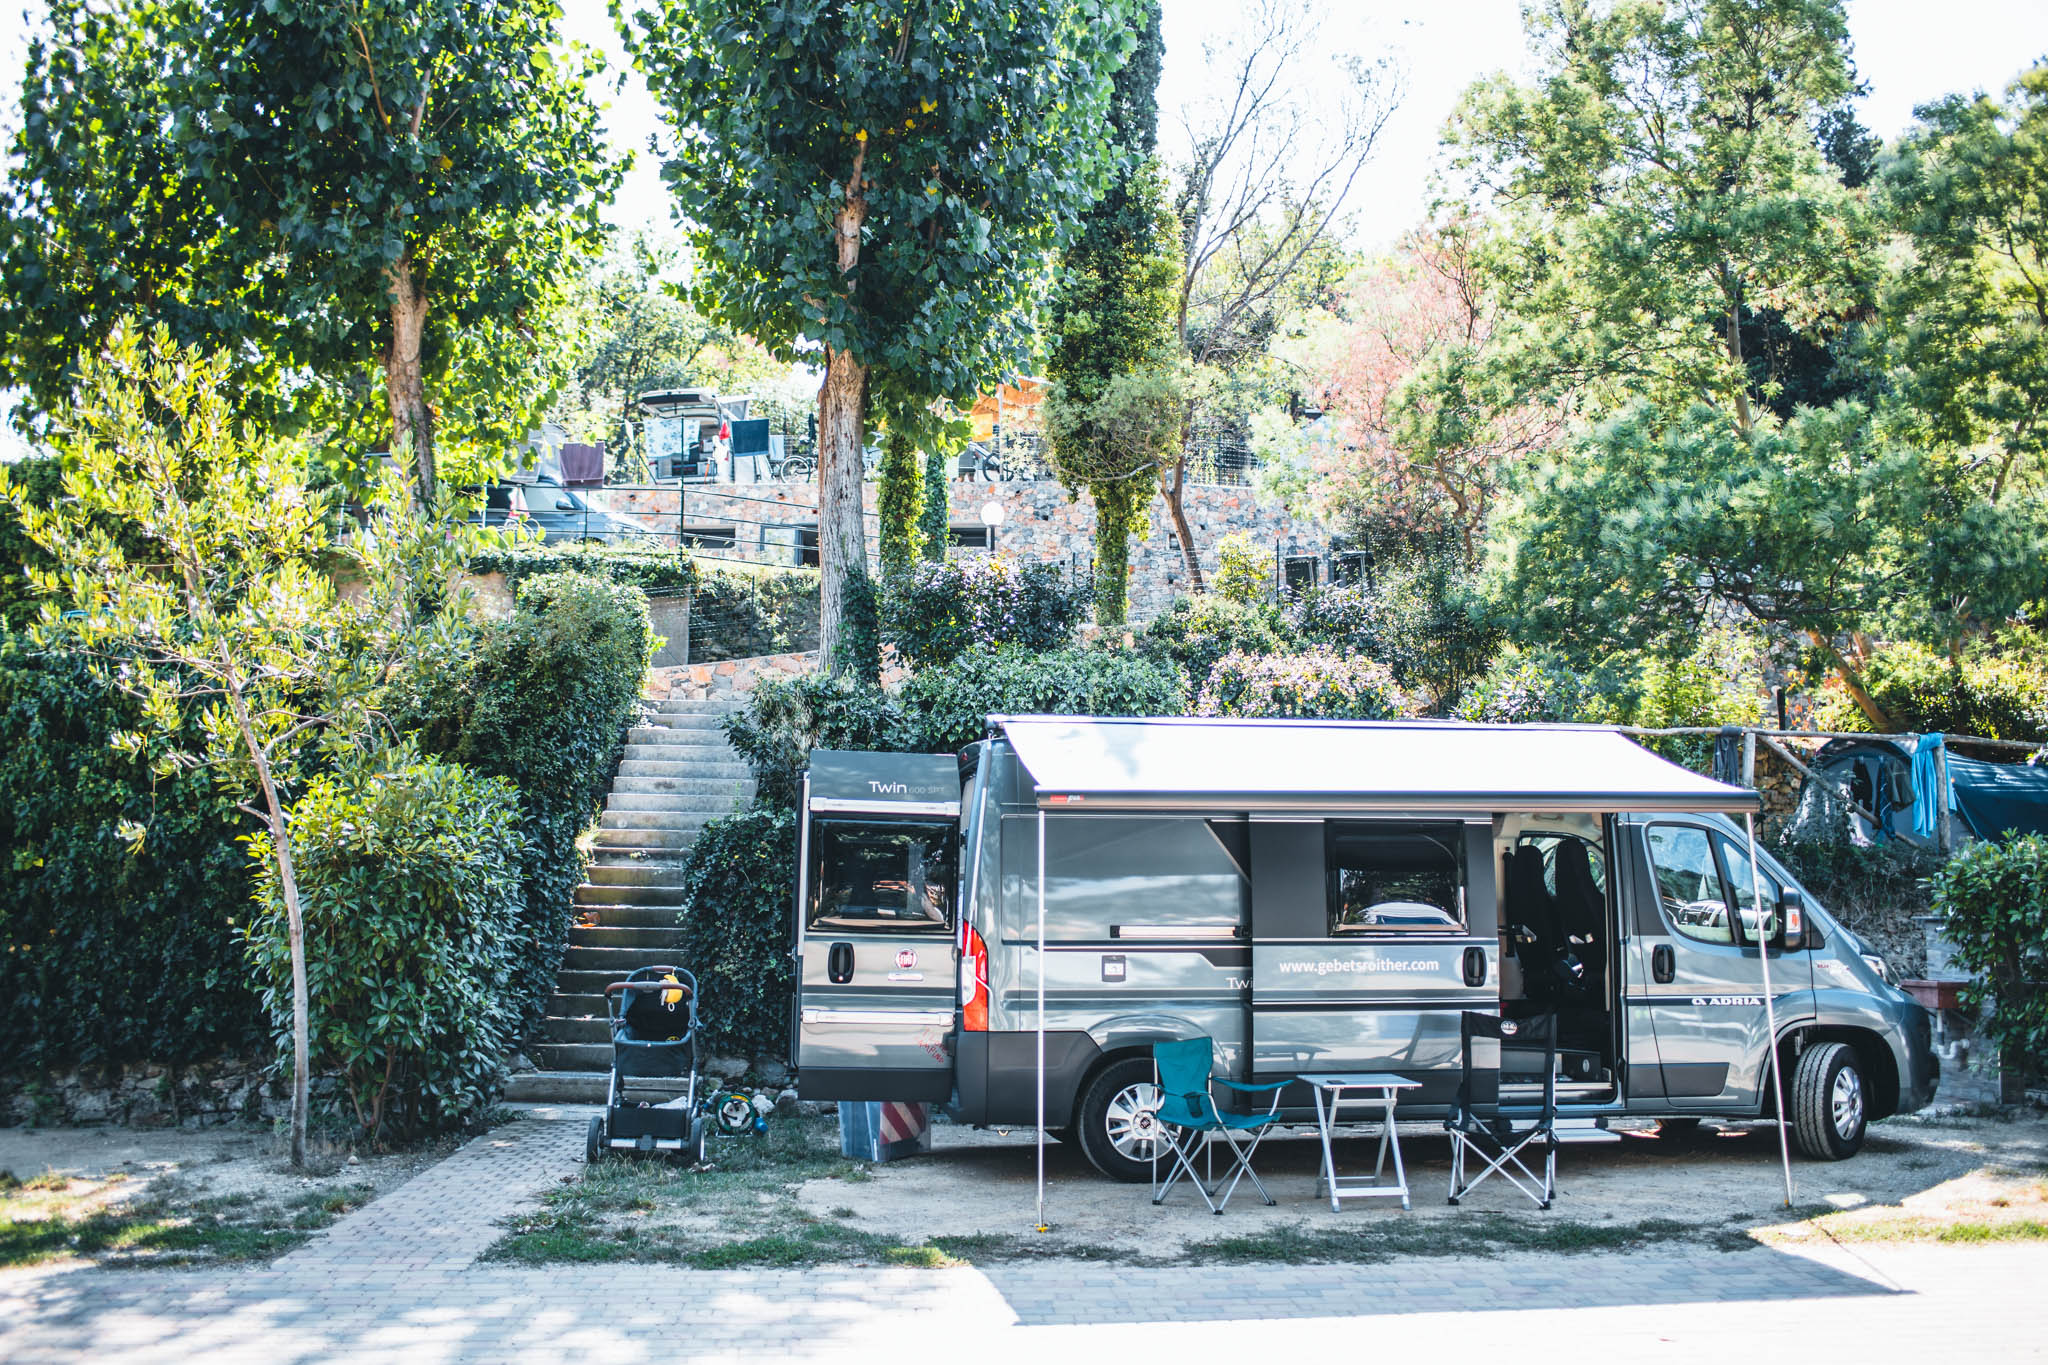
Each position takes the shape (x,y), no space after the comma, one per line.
(1327,765)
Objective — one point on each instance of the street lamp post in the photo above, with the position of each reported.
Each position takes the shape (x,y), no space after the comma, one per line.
(992,518)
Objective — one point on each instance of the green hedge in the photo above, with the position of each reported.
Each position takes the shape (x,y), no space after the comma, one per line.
(943,608)
(1993,899)
(948,707)
(1193,633)
(647,570)
(1315,683)
(738,886)
(786,718)
(544,702)
(108,956)
(741,613)
(409,879)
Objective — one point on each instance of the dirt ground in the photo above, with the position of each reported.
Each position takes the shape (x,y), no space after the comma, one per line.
(1913,1176)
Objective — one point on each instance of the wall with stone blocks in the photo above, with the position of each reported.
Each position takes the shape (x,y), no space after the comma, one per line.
(1040,523)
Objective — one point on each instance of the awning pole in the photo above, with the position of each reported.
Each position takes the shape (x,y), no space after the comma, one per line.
(1041,1023)
(1763,953)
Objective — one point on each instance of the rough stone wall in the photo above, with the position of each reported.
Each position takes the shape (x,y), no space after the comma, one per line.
(146,1095)
(1040,523)
(727,677)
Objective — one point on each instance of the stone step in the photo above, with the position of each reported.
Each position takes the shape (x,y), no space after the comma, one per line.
(721,706)
(732,787)
(691,820)
(709,803)
(559,1087)
(669,737)
(672,842)
(570,1056)
(617,962)
(577,1007)
(703,770)
(651,897)
(554,1030)
(668,938)
(634,874)
(668,867)
(591,980)
(687,720)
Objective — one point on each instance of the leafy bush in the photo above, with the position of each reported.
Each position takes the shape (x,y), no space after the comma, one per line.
(38,480)
(1874,889)
(545,702)
(1521,688)
(949,706)
(741,613)
(1317,683)
(1993,898)
(1194,633)
(650,570)
(1993,692)
(1243,572)
(738,885)
(945,608)
(409,879)
(858,651)
(1427,620)
(1719,683)
(109,956)
(786,718)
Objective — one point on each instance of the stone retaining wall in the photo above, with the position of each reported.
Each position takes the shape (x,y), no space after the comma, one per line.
(1040,523)
(147,1095)
(727,677)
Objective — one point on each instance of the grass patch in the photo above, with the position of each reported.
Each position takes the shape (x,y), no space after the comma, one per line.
(175,1222)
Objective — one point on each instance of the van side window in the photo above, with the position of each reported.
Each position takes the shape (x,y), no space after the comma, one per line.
(1689,882)
(1743,891)
(882,876)
(1395,877)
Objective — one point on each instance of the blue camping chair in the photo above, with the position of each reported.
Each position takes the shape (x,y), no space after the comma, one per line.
(1190,1120)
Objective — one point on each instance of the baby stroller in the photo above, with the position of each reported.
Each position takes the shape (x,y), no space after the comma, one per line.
(654,1043)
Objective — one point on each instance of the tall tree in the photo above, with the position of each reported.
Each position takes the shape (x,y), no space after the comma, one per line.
(346,184)
(1112,316)
(1661,179)
(885,180)
(1967,313)
(1271,171)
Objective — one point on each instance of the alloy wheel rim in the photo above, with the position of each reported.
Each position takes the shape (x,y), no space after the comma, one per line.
(1132,1121)
(1846,1100)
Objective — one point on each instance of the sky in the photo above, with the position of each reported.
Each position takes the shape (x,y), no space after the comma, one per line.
(1907,51)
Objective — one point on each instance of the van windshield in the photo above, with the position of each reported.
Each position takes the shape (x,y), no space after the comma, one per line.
(883,875)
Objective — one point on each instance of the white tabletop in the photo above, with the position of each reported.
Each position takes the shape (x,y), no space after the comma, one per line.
(1349,1080)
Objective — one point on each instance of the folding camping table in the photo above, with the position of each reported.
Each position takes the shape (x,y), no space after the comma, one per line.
(1329,1088)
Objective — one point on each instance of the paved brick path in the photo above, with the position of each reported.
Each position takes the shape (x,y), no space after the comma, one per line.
(397,1281)
(444,1217)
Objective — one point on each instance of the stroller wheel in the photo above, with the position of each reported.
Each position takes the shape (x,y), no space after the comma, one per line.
(593,1142)
(699,1139)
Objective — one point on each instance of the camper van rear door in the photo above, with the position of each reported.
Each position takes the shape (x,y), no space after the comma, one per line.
(875,1018)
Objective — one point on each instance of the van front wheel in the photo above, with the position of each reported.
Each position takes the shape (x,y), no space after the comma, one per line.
(1829,1108)
(1118,1122)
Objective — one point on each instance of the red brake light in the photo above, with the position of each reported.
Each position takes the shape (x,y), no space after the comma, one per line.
(974,984)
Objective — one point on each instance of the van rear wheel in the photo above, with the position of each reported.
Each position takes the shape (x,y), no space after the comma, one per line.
(1830,1110)
(1118,1123)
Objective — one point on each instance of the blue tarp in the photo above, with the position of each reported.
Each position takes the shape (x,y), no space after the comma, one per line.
(1995,797)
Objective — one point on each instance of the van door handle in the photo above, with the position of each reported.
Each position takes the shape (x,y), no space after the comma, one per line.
(1475,966)
(1663,964)
(839,964)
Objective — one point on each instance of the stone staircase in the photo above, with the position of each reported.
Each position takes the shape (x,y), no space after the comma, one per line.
(678,773)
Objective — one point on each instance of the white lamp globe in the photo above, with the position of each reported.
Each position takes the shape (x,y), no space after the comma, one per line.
(991,514)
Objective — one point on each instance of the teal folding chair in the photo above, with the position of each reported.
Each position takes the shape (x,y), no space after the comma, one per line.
(1191,1121)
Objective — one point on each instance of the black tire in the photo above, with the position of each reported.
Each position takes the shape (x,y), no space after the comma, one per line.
(699,1141)
(593,1142)
(1108,1113)
(1830,1102)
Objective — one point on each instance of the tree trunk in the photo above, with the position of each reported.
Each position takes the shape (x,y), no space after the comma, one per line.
(842,549)
(1171,486)
(1853,682)
(842,401)
(412,423)
(1743,416)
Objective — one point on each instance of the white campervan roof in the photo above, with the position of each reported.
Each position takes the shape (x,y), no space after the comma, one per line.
(1304,765)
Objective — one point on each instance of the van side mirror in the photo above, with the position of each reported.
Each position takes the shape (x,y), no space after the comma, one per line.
(1792,921)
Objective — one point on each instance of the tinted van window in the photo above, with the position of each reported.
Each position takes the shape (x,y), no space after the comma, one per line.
(893,876)
(1395,877)
(1689,883)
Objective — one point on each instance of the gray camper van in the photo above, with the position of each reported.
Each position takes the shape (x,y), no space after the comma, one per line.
(1319,896)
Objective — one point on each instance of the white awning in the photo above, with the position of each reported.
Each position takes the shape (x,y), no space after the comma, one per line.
(1329,765)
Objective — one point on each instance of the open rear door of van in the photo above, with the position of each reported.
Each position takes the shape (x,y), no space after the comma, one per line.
(1369,938)
(877,905)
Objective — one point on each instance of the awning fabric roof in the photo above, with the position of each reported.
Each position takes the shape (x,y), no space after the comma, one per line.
(1251,765)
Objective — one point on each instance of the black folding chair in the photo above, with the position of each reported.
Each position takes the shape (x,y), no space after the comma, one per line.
(1497,1133)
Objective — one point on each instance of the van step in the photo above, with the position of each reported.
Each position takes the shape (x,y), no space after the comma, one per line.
(1582,1131)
